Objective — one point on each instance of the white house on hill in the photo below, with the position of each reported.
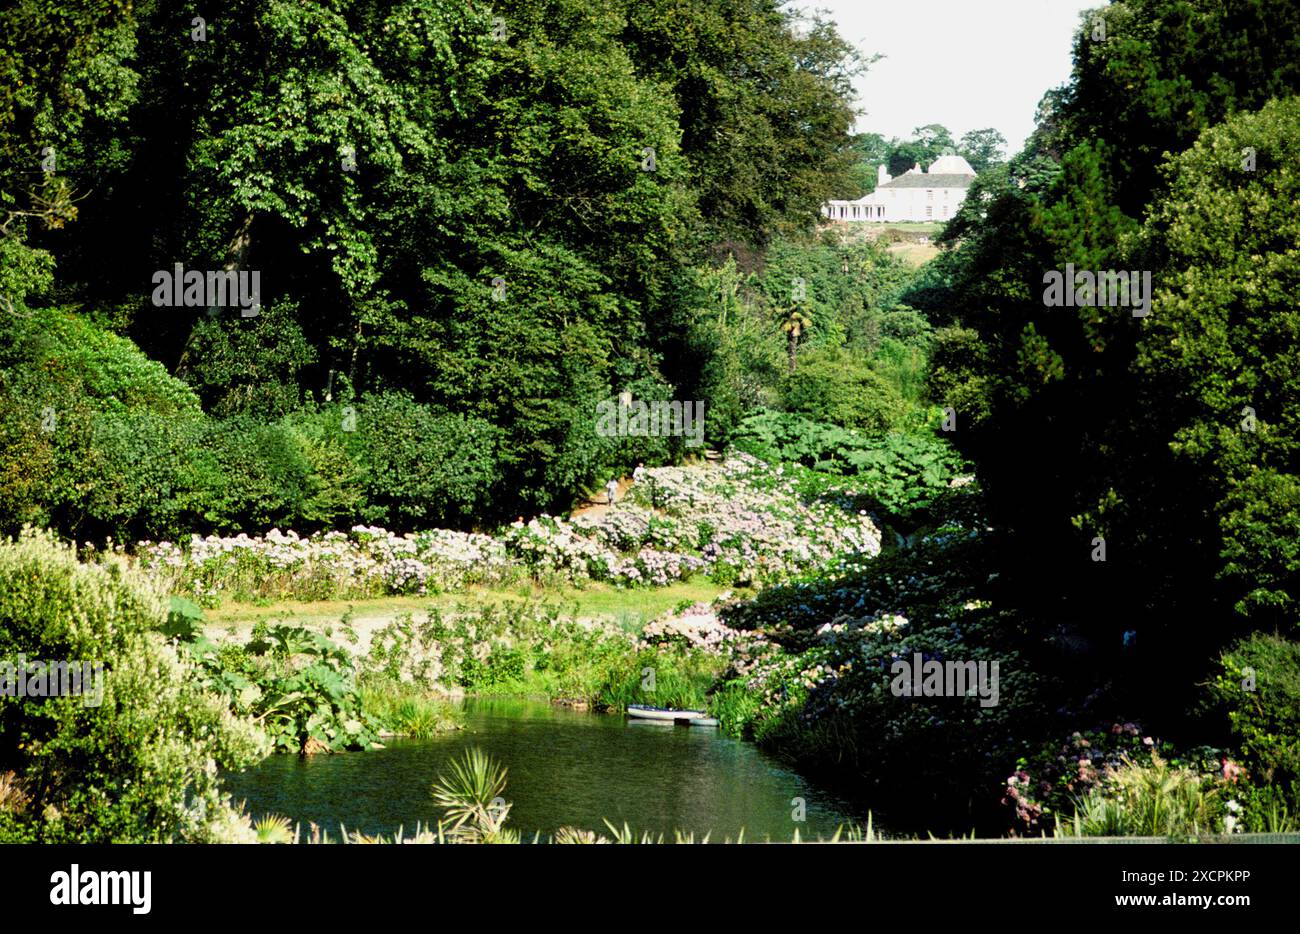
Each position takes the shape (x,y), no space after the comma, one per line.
(916,195)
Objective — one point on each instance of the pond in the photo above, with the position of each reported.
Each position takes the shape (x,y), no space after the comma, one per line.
(565,768)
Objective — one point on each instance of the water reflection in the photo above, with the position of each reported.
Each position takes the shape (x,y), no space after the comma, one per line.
(565,768)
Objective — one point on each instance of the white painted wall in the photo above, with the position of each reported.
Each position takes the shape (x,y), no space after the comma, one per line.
(898,204)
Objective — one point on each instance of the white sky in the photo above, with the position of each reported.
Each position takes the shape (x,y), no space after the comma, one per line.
(967,64)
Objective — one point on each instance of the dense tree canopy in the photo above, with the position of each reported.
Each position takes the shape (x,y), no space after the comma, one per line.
(454,234)
(489,211)
(1093,423)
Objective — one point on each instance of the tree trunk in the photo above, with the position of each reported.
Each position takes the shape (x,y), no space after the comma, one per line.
(236,253)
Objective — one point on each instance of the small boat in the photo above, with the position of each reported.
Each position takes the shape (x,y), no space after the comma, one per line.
(665,714)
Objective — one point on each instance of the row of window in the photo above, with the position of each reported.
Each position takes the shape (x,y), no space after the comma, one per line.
(864,212)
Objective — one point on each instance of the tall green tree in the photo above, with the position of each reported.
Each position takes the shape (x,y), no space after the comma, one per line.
(983,148)
(1219,361)
(1067,453)
(765,108)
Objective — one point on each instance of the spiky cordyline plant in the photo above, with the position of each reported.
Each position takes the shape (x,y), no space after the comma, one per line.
(471,798)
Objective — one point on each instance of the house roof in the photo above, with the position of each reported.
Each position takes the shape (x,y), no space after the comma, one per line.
(919,180)
(951,165)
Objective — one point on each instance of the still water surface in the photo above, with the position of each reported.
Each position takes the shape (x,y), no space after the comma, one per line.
(565,768)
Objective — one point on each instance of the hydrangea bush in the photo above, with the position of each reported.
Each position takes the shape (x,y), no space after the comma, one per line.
(743,522)
(821,693)
(1049,785)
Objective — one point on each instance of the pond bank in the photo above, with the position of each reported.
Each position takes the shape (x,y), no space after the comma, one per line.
(566,768)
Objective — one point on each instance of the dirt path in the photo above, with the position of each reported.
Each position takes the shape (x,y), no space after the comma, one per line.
(596,506)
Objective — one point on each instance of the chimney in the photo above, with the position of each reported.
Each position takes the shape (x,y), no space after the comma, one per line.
(882,176)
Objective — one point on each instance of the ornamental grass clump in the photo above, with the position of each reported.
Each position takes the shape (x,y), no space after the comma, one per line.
(1152,800)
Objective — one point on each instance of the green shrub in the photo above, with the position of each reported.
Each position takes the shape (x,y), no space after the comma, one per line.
(958,374)
(95,438)
(907,326)
(904,367)
(28,459)
(1258,684)
(144,477)
(506,665)
(335,492)
(108,370)
(262,474)
(422,468)
(249,366)
(142,765)
(834,387)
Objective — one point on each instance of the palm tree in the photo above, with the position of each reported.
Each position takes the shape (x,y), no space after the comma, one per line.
(794,326)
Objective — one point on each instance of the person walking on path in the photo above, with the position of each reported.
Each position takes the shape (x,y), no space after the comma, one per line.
(611,489)
(639,473)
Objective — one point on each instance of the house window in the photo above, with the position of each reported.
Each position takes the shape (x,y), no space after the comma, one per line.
(929,195)
(929,210)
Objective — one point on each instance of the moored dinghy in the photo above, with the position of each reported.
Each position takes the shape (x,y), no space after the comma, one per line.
(669,715)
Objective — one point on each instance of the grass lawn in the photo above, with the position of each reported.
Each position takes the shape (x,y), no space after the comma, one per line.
(632,608)
(915,254)
(915,228)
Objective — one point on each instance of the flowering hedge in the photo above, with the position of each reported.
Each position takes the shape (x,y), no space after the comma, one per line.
(742,521)
(694,627)
(364,562)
